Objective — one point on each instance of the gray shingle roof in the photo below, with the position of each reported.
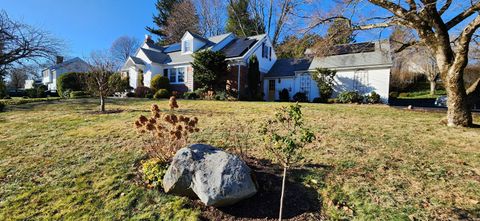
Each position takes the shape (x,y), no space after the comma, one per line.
(155,56)
(381,56)
(218,38)
(67,62)
(287,67)
(137,60)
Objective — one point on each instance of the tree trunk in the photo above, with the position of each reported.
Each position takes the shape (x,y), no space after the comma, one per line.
(459,109)
(433,85)
(102,104)
(283,193)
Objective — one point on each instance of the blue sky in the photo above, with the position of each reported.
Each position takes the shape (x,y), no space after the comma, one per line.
(85,25)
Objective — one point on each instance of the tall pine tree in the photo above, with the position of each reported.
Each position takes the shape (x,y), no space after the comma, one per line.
(241,22)
(340,32)
(164,8)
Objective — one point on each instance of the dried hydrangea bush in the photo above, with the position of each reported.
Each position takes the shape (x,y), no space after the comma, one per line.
(165,133)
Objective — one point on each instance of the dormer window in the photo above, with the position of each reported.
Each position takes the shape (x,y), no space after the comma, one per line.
(187,46)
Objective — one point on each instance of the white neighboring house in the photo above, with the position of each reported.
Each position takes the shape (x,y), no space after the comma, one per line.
(51,74)
(174,61)
(362,67)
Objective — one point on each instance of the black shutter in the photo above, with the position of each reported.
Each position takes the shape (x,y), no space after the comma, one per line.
(263,50)
(270,53)
(165,72)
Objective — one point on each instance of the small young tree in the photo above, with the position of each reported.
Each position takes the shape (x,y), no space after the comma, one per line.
(99,80)
(325,81)
(140,78)
(285,135)
(253,77)
(208,68)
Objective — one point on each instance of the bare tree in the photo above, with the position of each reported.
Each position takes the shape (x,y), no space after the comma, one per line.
(183,18)
(211,16)
(21,43)
(98,79)
(124,47)
(435,30)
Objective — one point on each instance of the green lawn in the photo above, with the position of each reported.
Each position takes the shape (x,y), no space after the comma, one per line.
(60,161)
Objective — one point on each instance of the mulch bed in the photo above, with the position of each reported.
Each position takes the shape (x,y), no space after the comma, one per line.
(301,203)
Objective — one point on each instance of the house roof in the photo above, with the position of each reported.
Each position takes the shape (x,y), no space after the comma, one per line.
(155,56)
(238,47)
(288,66)
(359,56)
(137,60)
(65,63)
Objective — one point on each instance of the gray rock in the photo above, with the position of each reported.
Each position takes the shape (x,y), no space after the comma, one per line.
(216,177)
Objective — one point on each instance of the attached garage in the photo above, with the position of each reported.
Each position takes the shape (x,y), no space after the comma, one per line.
(362,67)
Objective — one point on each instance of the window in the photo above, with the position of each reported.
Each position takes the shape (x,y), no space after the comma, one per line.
(180,74)
(187,46)
(172,75)
(176,75)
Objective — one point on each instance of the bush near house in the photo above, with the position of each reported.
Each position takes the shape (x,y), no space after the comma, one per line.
(350,97)
(300,97)
(190,95)
(160,82)
(2,106)
(373,98)
(284,95)
(161,93)
(208,68)
(143,92)
(3,89)
(37,92)
(70,81)
(78,94)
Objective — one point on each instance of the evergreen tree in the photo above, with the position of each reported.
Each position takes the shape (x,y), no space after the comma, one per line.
(240,22)
(208,68)
(164,8)
(340,32)
(253,77)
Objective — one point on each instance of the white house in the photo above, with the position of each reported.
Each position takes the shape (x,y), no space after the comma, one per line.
(51,74)
(362,67)
(174,61)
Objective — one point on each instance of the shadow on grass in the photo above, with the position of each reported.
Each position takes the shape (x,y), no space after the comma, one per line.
(299,198)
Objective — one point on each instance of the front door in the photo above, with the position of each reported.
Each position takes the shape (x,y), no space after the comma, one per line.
(271,90)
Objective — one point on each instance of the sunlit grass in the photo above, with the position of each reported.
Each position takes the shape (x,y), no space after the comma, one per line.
(60,161)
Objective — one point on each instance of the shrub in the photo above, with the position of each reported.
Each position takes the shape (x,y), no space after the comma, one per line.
(325,79)
(332,100)
(318,100)
(350,97)
(42,91)
(167,132)
(221,96)
(78,94)
(153,171)
(31,93)
(300,97)
(159,82)
(140,79)
(373,98)
(142,92)
(3,89)
(118,83)
(2,106)
(209,67)
(284,95)
(130,94)
(162,93)
(69,81)
(404,94)
(190,95)
(393,94)
(7,97)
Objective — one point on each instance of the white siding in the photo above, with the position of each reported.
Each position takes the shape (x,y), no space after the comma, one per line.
(265,64)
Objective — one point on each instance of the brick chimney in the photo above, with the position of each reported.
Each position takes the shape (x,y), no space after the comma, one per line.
(59,60)
(148,39)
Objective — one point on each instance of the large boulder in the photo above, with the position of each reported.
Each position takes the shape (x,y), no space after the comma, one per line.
(216,177)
